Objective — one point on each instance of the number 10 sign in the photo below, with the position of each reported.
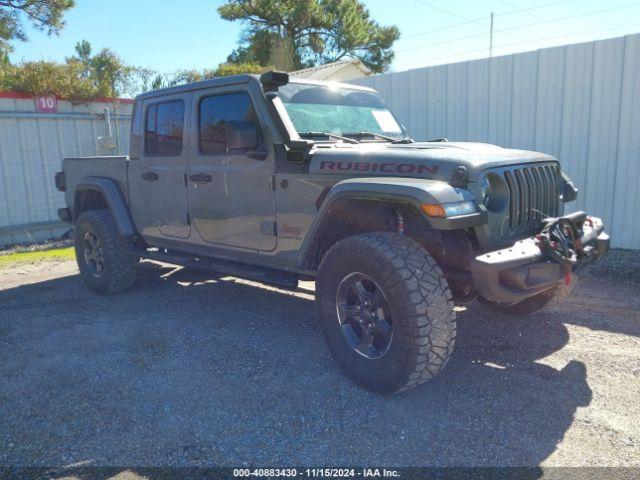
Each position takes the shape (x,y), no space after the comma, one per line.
(48,104)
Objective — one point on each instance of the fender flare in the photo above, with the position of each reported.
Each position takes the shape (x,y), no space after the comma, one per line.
(114,198)
(408,191)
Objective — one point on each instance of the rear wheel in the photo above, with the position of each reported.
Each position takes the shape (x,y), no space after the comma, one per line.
(103,255)
(385,310)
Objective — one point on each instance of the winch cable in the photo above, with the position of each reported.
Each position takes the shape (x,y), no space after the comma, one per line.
(560,239)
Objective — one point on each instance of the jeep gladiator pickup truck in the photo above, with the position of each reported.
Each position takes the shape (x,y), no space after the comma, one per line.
(278,180)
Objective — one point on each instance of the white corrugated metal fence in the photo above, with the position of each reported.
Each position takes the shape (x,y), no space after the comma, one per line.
(32,145)
(580,103)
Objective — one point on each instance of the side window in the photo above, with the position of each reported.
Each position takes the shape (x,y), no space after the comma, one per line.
(150,130)
(164,127)
(227,122)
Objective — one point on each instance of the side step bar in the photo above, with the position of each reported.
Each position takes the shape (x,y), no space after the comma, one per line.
(228,267)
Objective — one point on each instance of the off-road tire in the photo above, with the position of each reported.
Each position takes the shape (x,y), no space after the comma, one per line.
(119,264)
(424,323)
(532,304)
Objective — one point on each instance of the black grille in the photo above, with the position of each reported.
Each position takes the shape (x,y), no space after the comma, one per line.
(533,194)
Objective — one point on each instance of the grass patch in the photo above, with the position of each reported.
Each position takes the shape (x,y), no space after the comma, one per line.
(37,256)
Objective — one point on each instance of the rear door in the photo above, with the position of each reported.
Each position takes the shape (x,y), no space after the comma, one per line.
(158,177)
(230,184)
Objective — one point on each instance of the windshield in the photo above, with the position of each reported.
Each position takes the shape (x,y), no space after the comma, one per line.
(316,109)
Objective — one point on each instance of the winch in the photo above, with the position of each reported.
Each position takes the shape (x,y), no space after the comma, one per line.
(530,266)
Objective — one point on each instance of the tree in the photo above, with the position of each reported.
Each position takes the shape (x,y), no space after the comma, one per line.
(187,76)
(226,69)
(109,74)
(45,15)
(293,34)
(84,77)
(83,50)
(157,82)
(44,78)
(80,78)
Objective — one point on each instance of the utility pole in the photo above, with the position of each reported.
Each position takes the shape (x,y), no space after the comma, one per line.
(491,37)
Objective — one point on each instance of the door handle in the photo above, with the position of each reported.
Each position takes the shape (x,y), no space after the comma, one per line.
(150,176)
(200,178)
(258,154)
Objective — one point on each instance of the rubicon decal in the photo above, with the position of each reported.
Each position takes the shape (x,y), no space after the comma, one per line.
(387,167)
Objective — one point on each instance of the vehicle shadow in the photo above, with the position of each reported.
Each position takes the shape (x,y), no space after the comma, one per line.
(604,304)
(191,369)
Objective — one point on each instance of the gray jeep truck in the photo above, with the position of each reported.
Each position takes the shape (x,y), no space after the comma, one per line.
(282,180)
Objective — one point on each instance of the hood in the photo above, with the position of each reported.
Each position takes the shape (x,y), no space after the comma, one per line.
(432,160)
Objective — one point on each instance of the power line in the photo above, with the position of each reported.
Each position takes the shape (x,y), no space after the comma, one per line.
(478,20)
(517,27)
(570,17)
(509,4)
(526,12)
(449,40)
(448,12)
(516,44)
(419,34)
(527,9)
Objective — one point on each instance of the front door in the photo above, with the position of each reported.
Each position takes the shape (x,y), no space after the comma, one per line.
(230,188)
(158,176)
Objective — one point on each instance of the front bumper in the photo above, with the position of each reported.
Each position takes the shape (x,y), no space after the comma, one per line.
(513,274)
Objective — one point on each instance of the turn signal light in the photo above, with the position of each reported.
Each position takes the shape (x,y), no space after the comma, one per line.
(434,210)
(449,209)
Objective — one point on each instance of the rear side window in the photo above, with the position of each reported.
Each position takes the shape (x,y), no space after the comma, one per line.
(218,111)
(164,128)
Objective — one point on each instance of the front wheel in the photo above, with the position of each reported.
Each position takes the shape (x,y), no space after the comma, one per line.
(103,255)
(385,310)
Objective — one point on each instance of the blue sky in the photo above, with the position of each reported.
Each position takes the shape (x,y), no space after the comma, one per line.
(167,35)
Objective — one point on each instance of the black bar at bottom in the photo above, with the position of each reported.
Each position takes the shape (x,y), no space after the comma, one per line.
(398,473)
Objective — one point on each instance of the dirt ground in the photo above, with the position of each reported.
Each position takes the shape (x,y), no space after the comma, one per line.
(190,369)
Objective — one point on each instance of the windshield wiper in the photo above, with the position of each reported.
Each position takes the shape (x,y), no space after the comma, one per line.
(378,135)
(327,134)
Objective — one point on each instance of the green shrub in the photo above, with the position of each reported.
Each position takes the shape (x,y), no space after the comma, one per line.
(63,80)
(226,69)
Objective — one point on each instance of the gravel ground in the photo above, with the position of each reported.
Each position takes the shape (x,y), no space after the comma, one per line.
(624,265)
(188,369)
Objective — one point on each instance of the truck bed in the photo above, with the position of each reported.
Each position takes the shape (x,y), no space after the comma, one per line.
(77,168)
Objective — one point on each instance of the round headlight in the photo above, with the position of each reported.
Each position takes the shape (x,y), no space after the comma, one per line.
(493,191)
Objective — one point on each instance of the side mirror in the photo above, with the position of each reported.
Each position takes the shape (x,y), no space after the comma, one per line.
(241,135)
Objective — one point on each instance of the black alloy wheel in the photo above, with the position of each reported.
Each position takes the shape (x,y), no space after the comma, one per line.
(105,258)
(93,254)
(364,315)
(385,311)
